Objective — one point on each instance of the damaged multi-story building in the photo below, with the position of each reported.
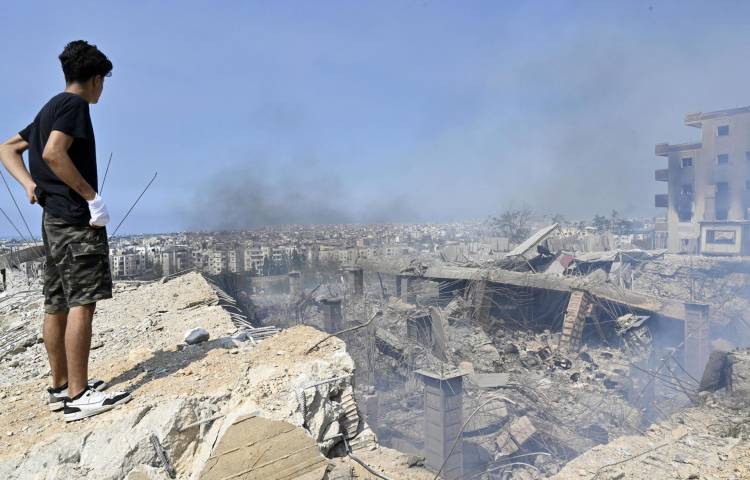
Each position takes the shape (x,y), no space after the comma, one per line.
(708,185)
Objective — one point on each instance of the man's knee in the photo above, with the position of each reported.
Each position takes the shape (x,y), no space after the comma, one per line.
(86,310)
(58,316)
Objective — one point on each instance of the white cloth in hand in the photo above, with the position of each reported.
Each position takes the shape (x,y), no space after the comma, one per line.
(99,212)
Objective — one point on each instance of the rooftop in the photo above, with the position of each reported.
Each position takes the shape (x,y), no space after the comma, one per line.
(694,119)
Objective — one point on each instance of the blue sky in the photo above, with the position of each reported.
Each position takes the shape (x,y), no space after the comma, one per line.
(273,112)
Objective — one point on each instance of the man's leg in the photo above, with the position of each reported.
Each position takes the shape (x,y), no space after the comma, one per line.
(54,341)
(77,347)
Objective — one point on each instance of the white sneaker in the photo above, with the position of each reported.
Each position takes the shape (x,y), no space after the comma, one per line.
(91,402)
(57,396)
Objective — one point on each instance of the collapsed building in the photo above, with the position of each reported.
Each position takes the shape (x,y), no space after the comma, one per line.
(530,360)
(546,362)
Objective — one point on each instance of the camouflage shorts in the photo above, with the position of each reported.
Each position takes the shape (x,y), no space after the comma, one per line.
(77,264)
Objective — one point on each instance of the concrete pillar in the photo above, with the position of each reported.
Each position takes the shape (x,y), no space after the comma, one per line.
(356,280)
(370,407)
(332,318)
(443,417)
(295,284)
(574,321)
(697,345)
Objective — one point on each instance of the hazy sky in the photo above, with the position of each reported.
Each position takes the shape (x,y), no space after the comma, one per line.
(274,112)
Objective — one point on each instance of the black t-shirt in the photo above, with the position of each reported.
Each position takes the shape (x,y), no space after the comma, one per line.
(67,113)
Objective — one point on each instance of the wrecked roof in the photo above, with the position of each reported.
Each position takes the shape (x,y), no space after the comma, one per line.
(533,240)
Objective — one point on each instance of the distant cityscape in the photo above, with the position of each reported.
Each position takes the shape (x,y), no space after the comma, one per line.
(279,250)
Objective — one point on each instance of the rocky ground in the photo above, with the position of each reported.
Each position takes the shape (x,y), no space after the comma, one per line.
(138,346)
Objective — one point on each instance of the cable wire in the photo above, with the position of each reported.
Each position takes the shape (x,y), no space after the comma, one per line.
(134,204)
(12,197)
(13,224)
(101,188)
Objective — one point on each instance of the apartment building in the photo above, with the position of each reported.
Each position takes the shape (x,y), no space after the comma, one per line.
(708,185)
(217,261)
(175,259)
(255,257)
(127,265)
(236,260)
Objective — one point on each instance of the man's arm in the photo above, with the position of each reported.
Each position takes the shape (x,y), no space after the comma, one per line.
(11,154)
(55,154)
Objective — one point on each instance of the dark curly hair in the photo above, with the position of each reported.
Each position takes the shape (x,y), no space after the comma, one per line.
(81,61)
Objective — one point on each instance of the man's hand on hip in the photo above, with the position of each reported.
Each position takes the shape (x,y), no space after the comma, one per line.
(99,212)
(30,194)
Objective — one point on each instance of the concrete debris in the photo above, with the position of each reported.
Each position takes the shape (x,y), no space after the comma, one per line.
(257,448)
(707,441)
(490,380)
(717,373)
(196,336)
(515,435)
(533,241)
(575,366)
(739,375)
(415,461)
(636,336)
(186,397)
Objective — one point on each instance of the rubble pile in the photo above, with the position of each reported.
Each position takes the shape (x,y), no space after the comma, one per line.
(185,396)
(566,402)
(711,440)
(722,282)
(613,402)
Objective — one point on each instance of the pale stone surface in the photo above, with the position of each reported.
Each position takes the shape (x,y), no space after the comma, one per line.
(196,336)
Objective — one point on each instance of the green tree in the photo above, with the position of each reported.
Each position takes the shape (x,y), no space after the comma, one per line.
(514,224)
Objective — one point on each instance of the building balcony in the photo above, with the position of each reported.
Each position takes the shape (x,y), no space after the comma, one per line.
(661,200)
(661,175)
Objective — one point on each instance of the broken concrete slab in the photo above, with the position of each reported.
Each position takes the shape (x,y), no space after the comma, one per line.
(536,239)
(739,362)
(114,449)
(490,380)
(518,432)
(715,374)
(262,449)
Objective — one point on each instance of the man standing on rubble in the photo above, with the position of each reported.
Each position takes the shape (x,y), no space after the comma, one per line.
(62,178)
